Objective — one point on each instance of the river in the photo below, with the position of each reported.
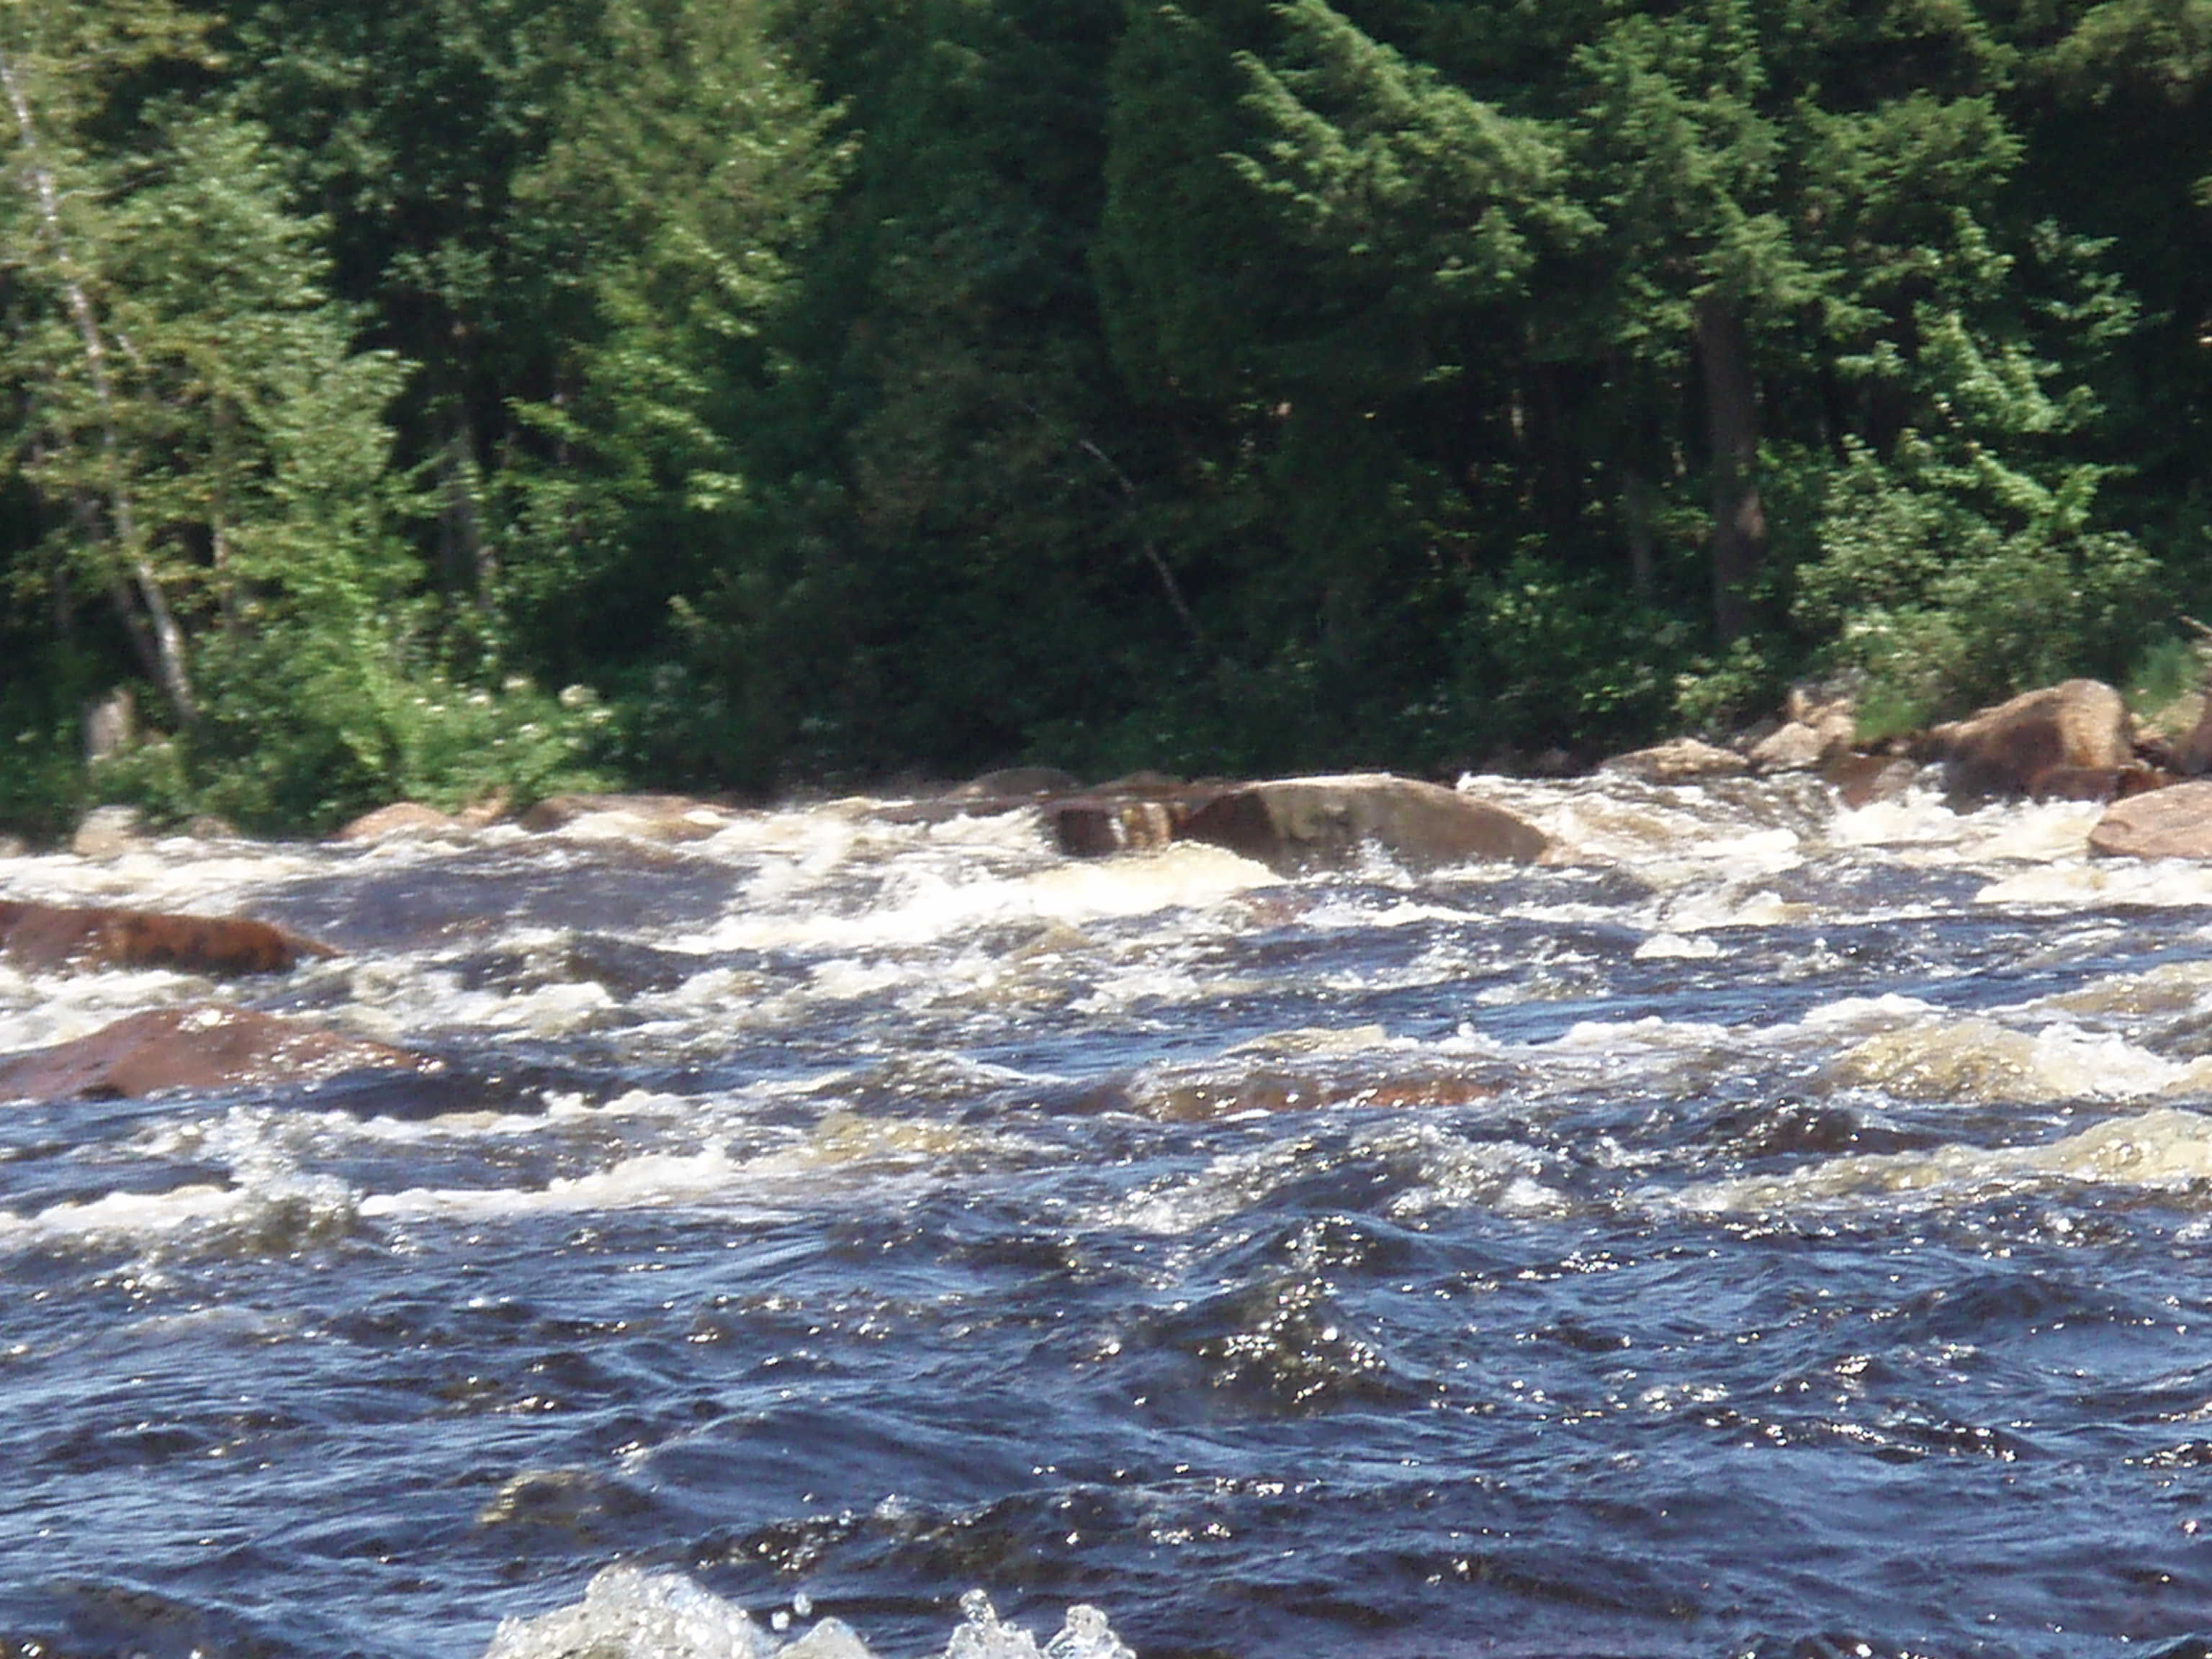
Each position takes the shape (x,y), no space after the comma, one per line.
(1779,1232)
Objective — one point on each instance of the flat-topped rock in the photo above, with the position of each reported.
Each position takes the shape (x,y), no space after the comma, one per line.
(49,936)
(1295,824)
(205,1046)
(2174,823)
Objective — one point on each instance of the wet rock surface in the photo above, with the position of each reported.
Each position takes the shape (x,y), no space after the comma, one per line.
(1291,824)
(207,1046)
(1307,824)
(2075,727)
(2174,823)
(50,936)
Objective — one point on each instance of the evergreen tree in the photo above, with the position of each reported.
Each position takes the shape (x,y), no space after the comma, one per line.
(687,166)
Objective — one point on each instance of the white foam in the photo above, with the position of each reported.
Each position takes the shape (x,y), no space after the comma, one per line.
(2082,883)
(40,1010)
(1918,818)
(396,997)
(1662,947)
(922,904)
(710,1178)
(649,1180)
(175,874)
(1650,1034)
(292,1207)
(1889,1008)
(628,1613)
(1682,838)
(564,1112)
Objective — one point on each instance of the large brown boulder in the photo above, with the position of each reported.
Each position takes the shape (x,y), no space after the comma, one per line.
(49,936)
(2081,726)
(207,1046)
(2174,823)
(1304,824)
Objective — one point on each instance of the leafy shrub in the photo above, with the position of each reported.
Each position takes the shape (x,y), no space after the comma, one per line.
(1955,582)
(1560,656)
(303,733)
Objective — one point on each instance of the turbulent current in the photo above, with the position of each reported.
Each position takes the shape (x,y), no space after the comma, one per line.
(1777,1229)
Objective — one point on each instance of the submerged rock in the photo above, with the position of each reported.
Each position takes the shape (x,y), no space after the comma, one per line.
(1304,824)
(651,817)
(50,936)
(2081,726)
(2174,823)
(1199,1097)
(206,1047)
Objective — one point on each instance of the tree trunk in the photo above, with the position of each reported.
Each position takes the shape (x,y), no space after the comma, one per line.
(466,554)
(1639,506)
(1732,425)
(145,607)
(226,578)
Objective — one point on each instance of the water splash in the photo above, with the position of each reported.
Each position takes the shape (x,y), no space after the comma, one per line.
(628,1614)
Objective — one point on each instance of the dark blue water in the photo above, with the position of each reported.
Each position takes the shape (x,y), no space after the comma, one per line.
(1780,1236)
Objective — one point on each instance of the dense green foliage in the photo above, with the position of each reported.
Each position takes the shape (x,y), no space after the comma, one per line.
(798,393)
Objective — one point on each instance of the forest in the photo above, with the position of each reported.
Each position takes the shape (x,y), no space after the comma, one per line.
(438,398)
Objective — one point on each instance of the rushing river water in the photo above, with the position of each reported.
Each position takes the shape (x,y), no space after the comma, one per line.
(1783,1232)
